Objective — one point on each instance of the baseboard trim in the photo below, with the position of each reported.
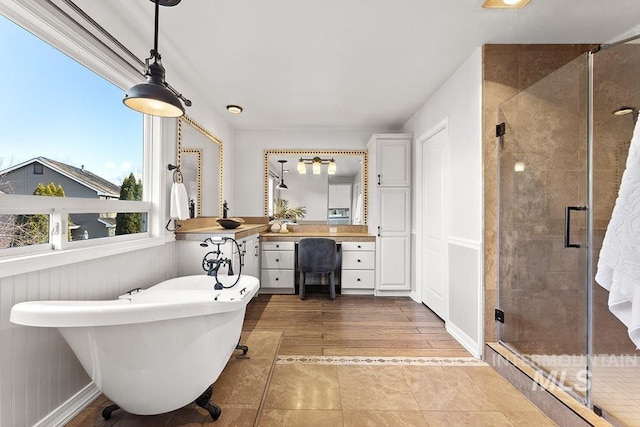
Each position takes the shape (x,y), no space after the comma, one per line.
(72,407)
(464,340)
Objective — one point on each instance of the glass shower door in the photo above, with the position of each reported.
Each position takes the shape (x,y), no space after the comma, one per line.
(543,188)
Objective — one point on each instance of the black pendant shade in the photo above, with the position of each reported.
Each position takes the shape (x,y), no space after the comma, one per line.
(154,97)
(282,185)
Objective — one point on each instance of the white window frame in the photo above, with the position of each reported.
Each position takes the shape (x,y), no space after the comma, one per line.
(44,20)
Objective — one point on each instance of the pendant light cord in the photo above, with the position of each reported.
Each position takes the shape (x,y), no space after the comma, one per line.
(155,32)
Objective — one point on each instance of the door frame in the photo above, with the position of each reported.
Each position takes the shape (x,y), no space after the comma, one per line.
(442,126)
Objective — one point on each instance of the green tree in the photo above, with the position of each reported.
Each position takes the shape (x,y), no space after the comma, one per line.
(34,229)
(128,223)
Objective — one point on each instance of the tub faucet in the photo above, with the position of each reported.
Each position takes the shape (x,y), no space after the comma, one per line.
(213,260)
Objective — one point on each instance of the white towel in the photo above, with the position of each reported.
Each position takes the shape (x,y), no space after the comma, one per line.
(619,263)
(179,202)
(357,212)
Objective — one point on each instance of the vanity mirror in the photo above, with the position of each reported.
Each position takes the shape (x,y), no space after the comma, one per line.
(200,161)
(337,198)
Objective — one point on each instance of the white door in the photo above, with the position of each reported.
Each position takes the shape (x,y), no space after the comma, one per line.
(434,214)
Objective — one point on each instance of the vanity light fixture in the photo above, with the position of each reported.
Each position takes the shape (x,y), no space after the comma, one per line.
(316,165)
(504,4)
(154,97)
(235,109)
(282,185)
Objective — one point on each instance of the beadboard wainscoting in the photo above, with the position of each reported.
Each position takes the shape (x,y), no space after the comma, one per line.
(39,374)
(465,294)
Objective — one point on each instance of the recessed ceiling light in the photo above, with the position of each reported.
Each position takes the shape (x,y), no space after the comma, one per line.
(504,4)
(234,109)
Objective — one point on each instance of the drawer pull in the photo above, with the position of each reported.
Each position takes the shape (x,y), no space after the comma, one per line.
(277,260)
(358,260)
(358,279)
(359,246)
(277,278)
(277,246)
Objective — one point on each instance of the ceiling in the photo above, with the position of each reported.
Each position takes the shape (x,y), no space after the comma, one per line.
(339,64)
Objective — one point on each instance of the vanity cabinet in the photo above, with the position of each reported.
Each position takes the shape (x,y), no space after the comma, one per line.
(277,268)
(250,248)
(390,207)
(358,267)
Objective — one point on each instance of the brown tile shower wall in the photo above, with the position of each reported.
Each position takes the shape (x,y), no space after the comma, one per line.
(507,70)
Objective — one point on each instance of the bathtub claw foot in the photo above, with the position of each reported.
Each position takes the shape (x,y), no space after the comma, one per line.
(204,402)
(244,349)
(106,412)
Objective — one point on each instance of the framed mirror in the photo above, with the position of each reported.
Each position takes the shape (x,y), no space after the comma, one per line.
(338,198)
(200,161)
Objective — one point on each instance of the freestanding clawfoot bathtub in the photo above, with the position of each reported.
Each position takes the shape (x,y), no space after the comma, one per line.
(155,350)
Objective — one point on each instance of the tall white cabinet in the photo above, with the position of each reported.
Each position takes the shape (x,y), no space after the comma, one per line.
(390,211)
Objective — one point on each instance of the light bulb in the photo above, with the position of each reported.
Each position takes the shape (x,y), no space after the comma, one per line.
(331,170)
(302,168)
(518,167)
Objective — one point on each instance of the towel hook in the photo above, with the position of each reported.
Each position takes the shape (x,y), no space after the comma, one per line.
(177,174)
(175,225)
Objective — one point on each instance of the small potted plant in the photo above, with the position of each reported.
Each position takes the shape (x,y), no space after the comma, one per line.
(283,212)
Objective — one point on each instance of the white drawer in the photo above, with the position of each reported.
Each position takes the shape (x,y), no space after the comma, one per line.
(358,246)
(358,260)
(278,246)
(276,279)
(358,279)
(278,259)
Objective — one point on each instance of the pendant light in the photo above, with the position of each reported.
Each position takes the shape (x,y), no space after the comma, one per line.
(154,97)
(282,185)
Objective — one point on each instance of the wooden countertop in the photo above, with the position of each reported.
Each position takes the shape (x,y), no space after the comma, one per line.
(203,227)
(268,236)
(201,233)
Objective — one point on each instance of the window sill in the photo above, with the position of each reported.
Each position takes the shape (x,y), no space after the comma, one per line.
(50,259)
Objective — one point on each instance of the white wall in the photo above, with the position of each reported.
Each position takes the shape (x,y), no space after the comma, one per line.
(459,101)
(248,166)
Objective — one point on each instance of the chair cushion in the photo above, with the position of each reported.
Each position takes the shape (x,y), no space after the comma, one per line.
(317,255)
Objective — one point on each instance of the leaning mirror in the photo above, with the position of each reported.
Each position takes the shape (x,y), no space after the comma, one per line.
(200,160)
(330,184)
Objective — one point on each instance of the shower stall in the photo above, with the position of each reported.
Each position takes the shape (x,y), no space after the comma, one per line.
(561,158)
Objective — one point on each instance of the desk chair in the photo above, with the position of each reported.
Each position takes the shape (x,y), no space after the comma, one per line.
(317,255)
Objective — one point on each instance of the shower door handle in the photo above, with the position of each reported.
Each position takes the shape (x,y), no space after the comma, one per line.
(567,225)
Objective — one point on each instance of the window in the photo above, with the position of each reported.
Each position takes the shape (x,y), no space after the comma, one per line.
(67,126)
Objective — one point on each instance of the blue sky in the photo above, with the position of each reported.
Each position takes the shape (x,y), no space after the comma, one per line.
(56,108)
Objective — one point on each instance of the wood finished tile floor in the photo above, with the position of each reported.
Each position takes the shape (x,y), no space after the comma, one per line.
(354,361)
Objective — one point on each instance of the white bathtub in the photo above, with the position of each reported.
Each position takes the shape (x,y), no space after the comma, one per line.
(155,350)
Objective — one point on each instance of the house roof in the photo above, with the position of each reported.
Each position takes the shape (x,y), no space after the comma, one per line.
(100,185)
